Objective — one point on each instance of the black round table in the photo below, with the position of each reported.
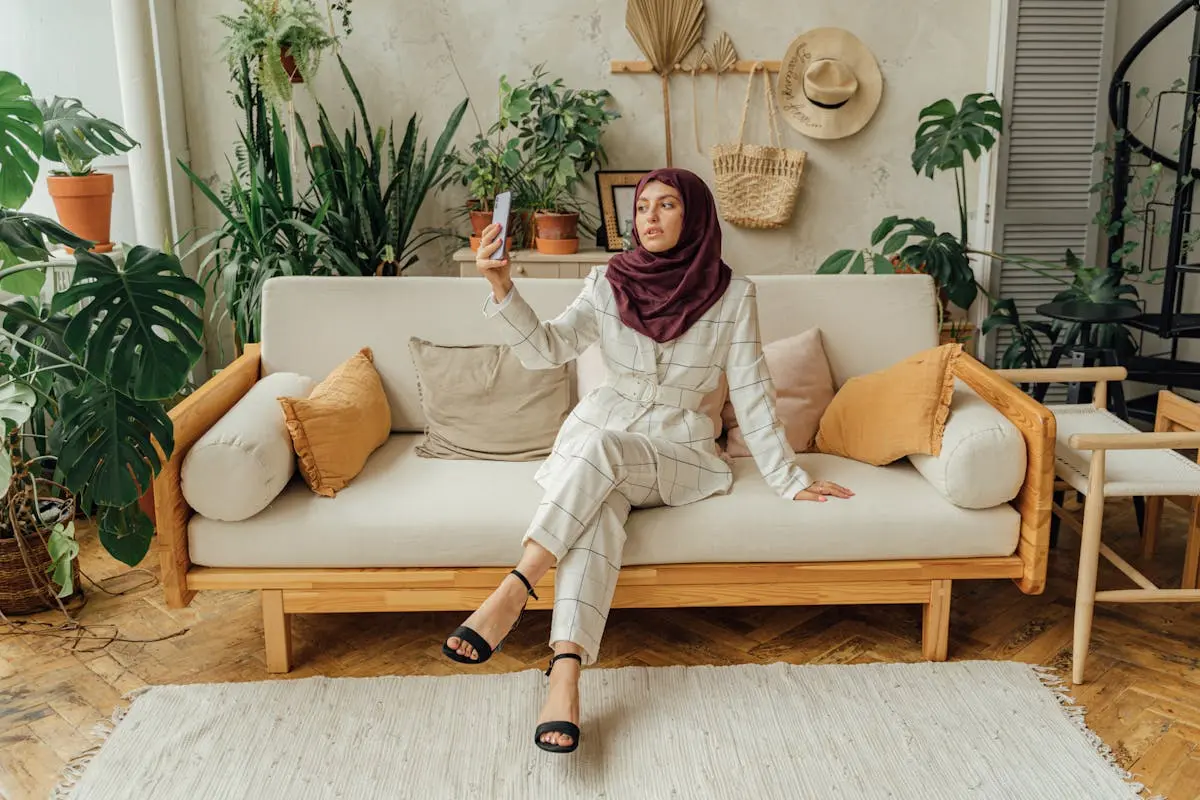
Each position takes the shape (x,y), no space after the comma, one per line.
(1082,347)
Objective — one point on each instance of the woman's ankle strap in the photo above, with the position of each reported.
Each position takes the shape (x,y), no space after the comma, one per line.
(555,658)
(528,585)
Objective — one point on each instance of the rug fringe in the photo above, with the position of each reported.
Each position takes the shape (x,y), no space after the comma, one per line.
(1077,714)
(74,769)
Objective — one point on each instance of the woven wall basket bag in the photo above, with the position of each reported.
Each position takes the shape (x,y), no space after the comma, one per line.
(756,185)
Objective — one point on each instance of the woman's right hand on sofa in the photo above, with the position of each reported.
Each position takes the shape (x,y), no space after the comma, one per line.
(820,490)
(497,271)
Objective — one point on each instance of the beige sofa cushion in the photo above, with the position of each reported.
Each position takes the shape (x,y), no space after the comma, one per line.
(481,402)
(243,462)
(382,313)
(407,511)
(982,463)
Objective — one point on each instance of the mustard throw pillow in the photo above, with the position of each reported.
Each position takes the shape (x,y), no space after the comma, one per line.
(337,427)
(896,412)
(481,403)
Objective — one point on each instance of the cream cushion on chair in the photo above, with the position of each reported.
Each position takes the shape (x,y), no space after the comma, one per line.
(408,511)
(982,463)
(243,462)
(1126,472)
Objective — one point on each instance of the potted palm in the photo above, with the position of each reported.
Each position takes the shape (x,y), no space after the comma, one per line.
(83,381)
(283,39)
(560,140)
(74,137)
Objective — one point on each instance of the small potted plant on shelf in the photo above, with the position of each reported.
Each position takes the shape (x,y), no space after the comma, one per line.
(284,39)
(560,140)
(485,173)
(74,137)
(82,416)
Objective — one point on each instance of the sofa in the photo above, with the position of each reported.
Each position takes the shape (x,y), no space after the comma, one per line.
(421,534)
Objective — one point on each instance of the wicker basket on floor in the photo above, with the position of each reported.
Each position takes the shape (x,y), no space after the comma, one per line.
(25,586)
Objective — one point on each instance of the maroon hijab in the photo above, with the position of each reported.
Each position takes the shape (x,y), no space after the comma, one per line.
(662,294)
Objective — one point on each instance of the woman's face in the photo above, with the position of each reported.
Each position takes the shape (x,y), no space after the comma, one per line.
(659,217)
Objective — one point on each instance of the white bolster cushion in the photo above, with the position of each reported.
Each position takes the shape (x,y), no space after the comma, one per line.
(982,462)
(243,462)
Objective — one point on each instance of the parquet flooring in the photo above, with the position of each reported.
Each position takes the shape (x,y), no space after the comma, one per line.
(1143,693)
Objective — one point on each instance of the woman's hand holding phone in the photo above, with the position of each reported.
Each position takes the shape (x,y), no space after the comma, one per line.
(497,271)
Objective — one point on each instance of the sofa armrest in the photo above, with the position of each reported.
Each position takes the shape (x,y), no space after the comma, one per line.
(1035,500)
(191,419)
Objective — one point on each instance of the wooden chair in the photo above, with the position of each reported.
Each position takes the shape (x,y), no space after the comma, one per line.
(1101,456)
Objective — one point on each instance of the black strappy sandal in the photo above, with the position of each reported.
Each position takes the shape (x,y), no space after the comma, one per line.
(472,638)
(568,728)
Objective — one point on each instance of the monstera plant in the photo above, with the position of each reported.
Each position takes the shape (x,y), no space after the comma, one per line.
(84,374)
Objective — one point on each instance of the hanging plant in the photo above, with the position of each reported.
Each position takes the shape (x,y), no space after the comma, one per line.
(284,38)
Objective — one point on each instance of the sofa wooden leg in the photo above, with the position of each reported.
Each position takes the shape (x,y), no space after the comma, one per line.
(935,623)
(277,630)
(1191,558)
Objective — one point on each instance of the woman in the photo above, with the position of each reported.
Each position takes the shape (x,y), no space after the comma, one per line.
(670,316)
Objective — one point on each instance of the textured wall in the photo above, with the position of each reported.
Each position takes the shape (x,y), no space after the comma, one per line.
(401,51)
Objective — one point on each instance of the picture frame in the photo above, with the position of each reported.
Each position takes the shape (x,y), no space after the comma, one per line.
(615,194)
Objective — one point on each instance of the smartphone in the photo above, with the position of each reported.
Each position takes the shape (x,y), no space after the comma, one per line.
(500,212)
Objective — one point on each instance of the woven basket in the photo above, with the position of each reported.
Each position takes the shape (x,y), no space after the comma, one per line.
(25,586)
(756,185)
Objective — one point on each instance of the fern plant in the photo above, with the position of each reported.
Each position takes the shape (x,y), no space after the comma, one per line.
(265,30)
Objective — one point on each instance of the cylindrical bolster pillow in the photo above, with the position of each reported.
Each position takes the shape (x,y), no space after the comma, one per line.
(243,462)
(982,462)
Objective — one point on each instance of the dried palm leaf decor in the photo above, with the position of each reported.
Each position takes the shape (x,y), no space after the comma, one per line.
(665,30)
(723,58)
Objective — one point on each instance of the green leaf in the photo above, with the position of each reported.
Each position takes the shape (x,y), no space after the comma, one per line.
(881,265)
(71,132)
(944,133)
(884,227)
(63,549)
(896,241)
(858,264)
(27,283)
(108,442)
(134,325)
(20,141)
(16,401)
(26,234)
(836,263)
(5,467)
(126,533)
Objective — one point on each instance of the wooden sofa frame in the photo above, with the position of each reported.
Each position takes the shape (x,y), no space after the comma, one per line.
(926,582)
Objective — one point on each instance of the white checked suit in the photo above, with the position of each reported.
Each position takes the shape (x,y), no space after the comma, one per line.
(638,440)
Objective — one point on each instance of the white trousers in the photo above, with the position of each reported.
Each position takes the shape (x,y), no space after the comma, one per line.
(581,520)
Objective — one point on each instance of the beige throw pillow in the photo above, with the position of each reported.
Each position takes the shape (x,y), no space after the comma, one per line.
(803,390)
(480,402)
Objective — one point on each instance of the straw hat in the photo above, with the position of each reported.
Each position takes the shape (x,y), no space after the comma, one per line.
(829,84)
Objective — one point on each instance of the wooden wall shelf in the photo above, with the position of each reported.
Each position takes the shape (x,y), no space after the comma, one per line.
(744,66)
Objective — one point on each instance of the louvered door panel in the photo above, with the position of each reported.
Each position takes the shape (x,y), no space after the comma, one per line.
(1053,90)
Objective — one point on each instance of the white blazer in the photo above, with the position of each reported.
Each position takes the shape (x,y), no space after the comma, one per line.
(655,389)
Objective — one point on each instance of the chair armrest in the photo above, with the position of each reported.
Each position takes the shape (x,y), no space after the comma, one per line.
(1063,375)
(1035,500)
(191,419)
(1134,441)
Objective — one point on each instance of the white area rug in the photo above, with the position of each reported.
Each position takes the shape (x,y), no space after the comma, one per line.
(957,730)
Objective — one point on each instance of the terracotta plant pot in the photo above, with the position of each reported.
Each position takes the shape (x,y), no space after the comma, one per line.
(557,247)
(557,234)
(518,225)
(84,206)
(479,221)
(289,65)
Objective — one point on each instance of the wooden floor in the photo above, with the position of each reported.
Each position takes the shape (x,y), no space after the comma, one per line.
(1143,695)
